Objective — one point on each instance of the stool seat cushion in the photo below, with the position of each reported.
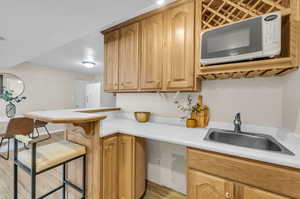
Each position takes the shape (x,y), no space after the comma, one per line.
(52,154)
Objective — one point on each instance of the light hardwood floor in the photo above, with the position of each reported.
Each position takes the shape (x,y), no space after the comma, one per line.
(50,180)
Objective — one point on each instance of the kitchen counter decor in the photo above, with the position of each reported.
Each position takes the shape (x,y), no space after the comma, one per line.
(200,113)
(142,116)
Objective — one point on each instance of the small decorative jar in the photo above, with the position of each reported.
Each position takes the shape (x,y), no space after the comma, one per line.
(191,123)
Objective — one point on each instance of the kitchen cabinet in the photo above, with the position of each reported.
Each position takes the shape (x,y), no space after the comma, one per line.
(129,58)
(110,167)
(132,164)
(246,192)
(156,50)
(179,50)
(249,178)
(204,186)
(111,77)
(124,167)
(152,53)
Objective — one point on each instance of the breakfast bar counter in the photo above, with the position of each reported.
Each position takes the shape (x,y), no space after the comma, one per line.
(81,127)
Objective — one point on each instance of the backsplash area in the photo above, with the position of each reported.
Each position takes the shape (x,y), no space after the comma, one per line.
(254,98)
(262,101)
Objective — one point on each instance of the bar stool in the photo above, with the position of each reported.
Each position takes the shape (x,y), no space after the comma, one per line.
(40,159)
(15,126)
(40,124)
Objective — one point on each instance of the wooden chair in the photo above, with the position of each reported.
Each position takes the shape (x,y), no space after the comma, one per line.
(16,126)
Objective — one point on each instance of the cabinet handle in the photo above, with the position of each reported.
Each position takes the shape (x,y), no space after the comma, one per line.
(158,85)
(227,195)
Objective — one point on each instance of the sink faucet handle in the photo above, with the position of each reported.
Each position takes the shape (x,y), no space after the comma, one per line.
(237,123)
(238,117)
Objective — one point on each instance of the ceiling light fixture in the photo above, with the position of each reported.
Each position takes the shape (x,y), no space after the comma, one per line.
(160,2)
(88,64)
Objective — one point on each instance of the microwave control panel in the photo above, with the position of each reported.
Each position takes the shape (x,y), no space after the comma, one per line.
(272,33)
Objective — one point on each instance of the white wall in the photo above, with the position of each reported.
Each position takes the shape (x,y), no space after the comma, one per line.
(291,102)
(262,101)
(46,88)
(259,101)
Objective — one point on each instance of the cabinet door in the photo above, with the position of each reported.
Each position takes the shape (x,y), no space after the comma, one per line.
(126,167)
(245,192)
(140,167)
(111,59)
(179,51)
(204,186)
(110,168)
(152,53)
(129,58)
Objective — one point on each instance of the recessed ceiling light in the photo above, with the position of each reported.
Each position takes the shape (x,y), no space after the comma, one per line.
(160,2)
(2,38)
(88,64)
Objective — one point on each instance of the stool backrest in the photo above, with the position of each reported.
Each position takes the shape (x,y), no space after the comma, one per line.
(39,123)
(19,126)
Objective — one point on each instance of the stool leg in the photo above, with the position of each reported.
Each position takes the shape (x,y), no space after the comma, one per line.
(84,177)
(33,186)
(15,169)
(49,135)
(33,172)
(64,184)
(7,153)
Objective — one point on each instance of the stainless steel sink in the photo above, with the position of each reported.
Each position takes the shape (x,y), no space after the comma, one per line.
(250,140)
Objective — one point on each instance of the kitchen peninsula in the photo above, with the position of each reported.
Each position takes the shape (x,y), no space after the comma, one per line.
(116,156)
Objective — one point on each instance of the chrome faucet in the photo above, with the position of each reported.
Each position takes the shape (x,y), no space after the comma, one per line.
(237,123)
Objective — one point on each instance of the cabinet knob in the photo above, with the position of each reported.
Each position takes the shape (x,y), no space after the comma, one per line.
(158,85)
(227,195)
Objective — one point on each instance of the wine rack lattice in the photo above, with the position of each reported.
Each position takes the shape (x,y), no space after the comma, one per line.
(220,12)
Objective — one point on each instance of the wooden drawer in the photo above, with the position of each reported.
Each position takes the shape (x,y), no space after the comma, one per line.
(277,179)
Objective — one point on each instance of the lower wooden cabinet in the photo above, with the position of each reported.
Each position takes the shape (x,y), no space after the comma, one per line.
(204,186)
(216,176)
(110,168)
(246,192)
(124,167)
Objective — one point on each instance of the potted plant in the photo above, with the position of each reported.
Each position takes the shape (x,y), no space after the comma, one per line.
(7,96)
(187,108)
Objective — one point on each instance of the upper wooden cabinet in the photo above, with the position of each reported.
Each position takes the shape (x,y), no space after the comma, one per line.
(203,186)
(152,53)
(129,58)
(111,45)
(179,51)
(156,50)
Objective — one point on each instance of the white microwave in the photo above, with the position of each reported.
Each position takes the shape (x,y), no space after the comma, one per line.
(256,37)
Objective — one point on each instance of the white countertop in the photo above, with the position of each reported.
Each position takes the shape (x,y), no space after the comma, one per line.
(70,115)
(178,134)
